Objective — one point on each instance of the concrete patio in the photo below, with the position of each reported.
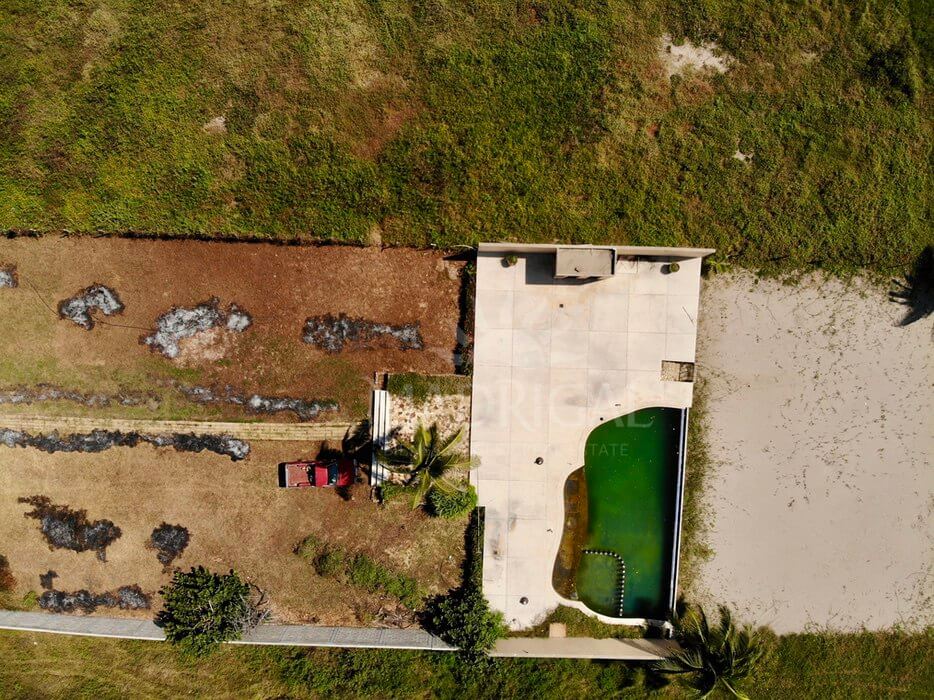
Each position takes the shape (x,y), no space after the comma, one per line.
(553,359)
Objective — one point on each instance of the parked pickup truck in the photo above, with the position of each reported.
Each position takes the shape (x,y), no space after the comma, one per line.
(308,473)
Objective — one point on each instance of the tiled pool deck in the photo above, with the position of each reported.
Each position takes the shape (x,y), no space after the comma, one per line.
(553,359)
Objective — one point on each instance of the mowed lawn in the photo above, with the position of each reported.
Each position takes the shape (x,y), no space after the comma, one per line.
(451,122)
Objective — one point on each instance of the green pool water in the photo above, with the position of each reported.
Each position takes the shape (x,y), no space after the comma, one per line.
(631,467)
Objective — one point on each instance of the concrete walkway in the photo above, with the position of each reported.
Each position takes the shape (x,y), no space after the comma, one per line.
(298,432)
(274,635)
(346,637)
(585,648)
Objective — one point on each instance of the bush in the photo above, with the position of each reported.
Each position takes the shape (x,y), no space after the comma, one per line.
(452,504)
(330,562)
(464,619)
(203,609)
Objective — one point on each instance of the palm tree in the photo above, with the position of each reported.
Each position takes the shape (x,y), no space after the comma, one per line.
(710,657)
(427,460)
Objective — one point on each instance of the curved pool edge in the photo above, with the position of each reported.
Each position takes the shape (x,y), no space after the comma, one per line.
(676,545)
(557,501)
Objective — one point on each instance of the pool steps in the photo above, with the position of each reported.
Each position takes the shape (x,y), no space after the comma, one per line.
(620,574)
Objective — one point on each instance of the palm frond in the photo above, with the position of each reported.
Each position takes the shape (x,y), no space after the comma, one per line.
(711,655)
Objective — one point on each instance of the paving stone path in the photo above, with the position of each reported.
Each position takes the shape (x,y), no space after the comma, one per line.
(299,432)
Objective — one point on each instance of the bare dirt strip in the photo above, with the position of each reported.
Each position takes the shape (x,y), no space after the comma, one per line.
(280,287)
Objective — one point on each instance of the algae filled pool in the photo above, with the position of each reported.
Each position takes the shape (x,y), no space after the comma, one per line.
(632,469)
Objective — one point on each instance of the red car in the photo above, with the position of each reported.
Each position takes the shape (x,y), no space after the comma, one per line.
(307,473)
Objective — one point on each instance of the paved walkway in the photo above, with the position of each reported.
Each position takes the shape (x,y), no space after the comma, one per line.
(585,648)
(281,635)
(346,637)
(299,432)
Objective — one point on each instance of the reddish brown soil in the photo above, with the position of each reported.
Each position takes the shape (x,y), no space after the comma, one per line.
(280,286)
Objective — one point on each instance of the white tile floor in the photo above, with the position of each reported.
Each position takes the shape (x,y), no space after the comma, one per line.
(552,360)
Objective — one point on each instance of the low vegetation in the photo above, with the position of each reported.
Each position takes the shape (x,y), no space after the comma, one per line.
(202,609)
(451,122)
(452,504)
(8,600)
(579,624)
(863,666)
(463,618)
(696,517)
(428,462)
(717,657)
(360,570)
(421,387)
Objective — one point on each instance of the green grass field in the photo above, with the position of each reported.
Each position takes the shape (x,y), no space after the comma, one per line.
(449,122)
(850,667)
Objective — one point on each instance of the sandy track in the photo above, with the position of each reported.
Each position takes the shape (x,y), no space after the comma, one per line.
(821,431)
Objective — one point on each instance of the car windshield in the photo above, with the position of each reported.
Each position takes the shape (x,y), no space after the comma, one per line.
(332,473)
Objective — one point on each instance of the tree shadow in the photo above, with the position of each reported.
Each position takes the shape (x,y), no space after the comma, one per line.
(356,443)
(917,291)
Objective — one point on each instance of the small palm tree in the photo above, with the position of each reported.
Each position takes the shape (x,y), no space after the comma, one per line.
(710,657)
(427,460)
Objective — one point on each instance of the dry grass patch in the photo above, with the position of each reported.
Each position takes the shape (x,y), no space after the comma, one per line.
(237,518)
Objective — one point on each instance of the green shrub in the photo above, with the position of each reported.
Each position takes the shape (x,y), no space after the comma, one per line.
(452,504)
(202,609)
(389,492)
(310,548)
(330,562)
(464,619)
(421,387)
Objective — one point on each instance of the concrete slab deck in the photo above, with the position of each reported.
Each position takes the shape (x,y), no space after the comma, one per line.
(553,359)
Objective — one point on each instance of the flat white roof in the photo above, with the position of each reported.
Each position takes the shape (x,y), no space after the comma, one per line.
(553,359)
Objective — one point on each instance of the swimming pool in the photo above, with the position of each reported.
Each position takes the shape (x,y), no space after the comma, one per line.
(633,469)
